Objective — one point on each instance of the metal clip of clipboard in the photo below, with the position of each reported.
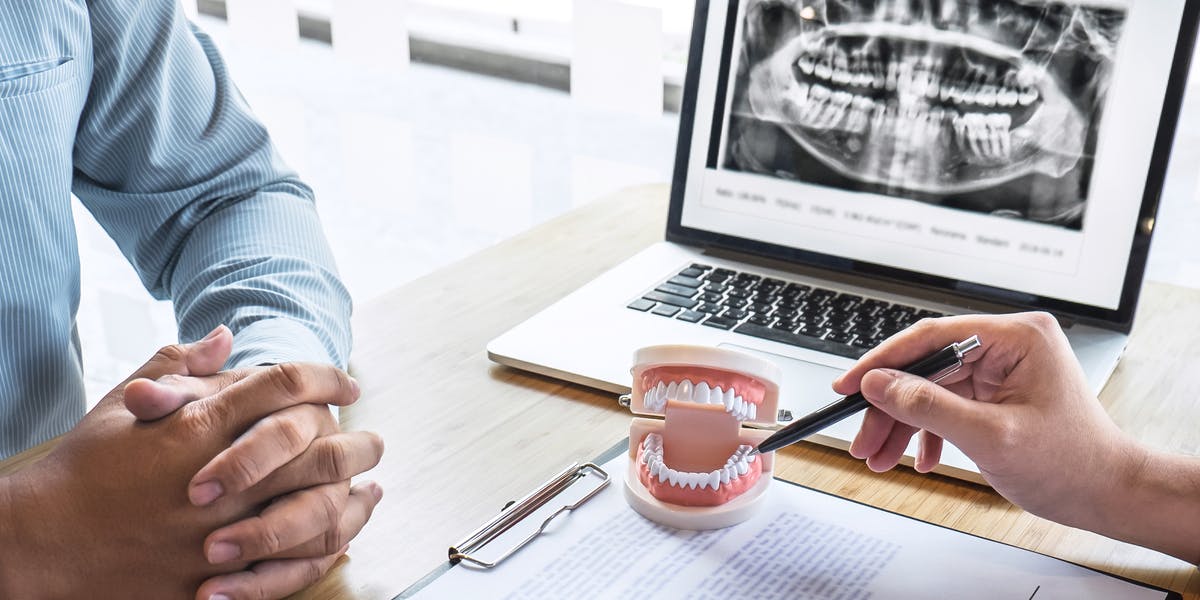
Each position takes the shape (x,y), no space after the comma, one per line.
(517,511)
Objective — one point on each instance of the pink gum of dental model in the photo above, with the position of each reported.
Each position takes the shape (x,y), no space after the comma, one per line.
(693,468)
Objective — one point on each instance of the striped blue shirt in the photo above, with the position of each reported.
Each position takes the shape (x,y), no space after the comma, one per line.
(129,107)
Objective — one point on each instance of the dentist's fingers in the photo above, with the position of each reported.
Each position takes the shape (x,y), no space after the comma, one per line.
(328,459)
(268,579)
(929,454)
(268,445)
(307,524)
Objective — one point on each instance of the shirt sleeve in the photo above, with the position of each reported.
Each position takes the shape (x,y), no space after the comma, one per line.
(171,162)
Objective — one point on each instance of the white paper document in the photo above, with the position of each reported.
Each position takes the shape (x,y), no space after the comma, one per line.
(804,544)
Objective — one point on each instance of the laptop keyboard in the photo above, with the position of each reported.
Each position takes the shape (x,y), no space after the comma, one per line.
(791,313)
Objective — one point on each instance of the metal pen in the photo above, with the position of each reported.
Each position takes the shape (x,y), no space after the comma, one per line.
(935,367)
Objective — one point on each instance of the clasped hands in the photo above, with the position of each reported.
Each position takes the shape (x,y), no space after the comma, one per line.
(187,481)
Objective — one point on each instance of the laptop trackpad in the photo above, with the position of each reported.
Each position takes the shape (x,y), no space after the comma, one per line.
(805,386)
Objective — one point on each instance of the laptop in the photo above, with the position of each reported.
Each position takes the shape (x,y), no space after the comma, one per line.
(846,168)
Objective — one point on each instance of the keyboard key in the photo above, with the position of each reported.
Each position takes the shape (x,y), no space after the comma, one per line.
(710,308)
(929,314)
(691,272)
(735,313)
(820,297)
(714,287)
(691,316)
(760,308)
(838,337)
(666,310)
(643,305)
(761,319)
(720,275)
(765,297)
(864,343)
(812,330)
(711,297)
(773,334)
(795,291)
(742,284)
(720,322)
(770,284)
(690,282)
(678,290)
(737,302)
(786,325)
(738,293)
(671,299)
(701,267)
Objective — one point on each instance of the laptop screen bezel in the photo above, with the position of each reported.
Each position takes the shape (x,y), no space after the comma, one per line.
(1120,319)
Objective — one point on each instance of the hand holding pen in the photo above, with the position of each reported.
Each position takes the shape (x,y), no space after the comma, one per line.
(934,367)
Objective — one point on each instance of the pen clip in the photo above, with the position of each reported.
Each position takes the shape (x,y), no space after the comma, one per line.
(948,371)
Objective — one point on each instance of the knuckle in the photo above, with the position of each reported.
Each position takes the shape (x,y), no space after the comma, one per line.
(268,540)
(172,353)
(291,436)
(313,571)
(917,396)
(1043,321)
(289,379)
(335,460)
(245,470)
(331,510)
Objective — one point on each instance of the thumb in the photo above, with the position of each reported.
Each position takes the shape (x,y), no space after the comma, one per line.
(149,400)
(921,403)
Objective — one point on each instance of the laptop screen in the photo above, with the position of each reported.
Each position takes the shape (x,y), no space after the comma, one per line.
(1009,149)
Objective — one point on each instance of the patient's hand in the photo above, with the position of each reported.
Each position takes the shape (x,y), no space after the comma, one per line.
(116,509)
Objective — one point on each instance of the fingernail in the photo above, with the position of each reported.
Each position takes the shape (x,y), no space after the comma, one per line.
(223,552)
(354,387)
(206,493)
(377,491)
(212,335)
(219,597)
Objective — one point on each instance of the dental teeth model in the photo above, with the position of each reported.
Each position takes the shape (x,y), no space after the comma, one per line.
(694,468)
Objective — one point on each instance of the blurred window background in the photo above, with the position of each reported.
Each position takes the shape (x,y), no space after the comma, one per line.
(432,129)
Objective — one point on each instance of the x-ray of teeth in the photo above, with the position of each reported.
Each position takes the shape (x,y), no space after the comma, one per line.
(988,106)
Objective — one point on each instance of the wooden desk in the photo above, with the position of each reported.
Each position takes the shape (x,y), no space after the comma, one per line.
(465,435)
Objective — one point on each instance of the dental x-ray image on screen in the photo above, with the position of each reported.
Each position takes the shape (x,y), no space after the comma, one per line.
(986,106)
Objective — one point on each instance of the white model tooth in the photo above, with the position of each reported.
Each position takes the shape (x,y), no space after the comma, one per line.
(724,474)
(690,480)
(727,399)
(806,63)
(650,399)
(714,479)
(743,467)
(685,390)
(753,414)
(672,391)
(751,458)
(660,395)
(715,395)
(655,468)
(701,393)
(671,475)
(664,474)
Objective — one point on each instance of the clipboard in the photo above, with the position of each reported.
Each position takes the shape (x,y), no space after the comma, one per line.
(596,479)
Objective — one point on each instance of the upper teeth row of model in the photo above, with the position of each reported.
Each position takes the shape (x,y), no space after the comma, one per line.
(1014,89)
(735,467)
(700,393)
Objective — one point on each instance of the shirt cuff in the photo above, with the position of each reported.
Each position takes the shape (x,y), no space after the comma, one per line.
(276,341)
